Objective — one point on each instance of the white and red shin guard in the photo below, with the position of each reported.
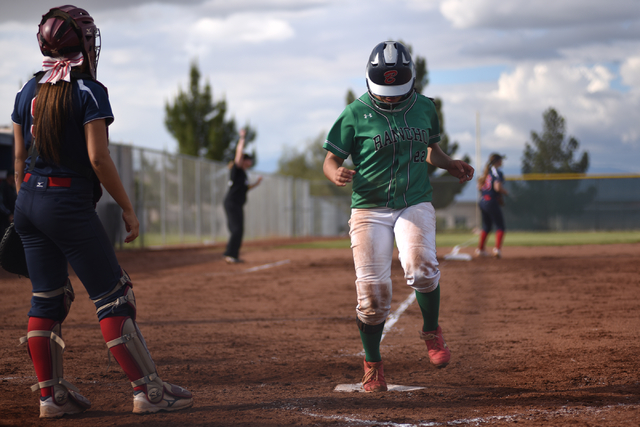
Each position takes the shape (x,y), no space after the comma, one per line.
(45,346)
(126,343)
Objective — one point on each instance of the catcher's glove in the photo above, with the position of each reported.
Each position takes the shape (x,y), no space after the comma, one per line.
(12,256)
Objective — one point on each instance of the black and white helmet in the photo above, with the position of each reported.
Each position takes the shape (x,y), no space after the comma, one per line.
(390,73)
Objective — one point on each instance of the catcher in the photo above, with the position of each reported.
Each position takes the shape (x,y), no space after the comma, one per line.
(61,159)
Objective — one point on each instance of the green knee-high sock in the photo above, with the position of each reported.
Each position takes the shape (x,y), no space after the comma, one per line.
(371,345)
(430,306)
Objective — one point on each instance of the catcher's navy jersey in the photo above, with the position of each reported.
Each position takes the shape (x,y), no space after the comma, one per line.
(389,151)
(90,102)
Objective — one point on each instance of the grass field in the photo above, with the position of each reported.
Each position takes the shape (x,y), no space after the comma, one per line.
(444,239)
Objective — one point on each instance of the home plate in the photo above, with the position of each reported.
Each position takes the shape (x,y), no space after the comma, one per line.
(390,387)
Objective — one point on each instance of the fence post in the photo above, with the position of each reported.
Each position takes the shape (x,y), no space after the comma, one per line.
(140,202)
(163,199)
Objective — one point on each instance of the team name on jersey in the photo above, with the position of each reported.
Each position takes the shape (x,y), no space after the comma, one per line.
(401,134)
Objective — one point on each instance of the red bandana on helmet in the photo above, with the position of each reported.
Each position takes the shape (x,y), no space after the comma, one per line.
(60,68)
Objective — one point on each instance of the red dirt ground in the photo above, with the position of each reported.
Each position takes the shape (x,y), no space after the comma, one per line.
(546,336)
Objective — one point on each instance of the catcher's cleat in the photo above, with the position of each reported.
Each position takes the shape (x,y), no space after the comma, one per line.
(126,343)
(497,253)
(481,253)
(174,398)
(373,379)
(439,353)
(46,347)
(74,403)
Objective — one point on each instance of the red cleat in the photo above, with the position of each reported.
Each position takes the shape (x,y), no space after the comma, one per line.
(373,379)
(439,353)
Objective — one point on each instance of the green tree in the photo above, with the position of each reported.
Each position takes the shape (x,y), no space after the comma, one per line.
(306,163)
(548,204)
(198,122)
(422,73)
(550,152)
(350,96)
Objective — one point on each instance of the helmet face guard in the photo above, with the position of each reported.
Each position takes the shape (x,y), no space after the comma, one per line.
(68,29)
(390,73)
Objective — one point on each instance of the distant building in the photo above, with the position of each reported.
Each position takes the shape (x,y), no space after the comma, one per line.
(458,215)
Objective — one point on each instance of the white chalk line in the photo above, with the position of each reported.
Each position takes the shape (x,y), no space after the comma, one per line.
(265,266)
(395,316)
(249,270)
(531,415)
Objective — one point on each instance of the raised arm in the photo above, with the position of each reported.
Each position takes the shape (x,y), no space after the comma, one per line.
(238,159)
(98,148)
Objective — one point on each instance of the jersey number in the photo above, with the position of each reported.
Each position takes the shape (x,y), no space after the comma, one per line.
(420,156)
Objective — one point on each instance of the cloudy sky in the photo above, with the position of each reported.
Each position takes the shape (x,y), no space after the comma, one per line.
(284,66)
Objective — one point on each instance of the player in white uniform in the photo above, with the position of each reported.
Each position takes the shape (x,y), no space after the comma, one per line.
(391,133)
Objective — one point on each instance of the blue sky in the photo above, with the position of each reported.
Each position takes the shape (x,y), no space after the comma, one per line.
(284,66)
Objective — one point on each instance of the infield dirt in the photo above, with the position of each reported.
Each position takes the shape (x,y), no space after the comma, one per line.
(546,336)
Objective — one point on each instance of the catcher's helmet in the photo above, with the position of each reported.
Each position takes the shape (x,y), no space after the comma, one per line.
(390,73)
(68,29)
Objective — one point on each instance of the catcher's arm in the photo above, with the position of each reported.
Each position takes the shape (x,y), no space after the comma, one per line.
(21,155)
(97,147)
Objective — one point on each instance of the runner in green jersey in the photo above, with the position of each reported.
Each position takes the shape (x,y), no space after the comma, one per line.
(391,133)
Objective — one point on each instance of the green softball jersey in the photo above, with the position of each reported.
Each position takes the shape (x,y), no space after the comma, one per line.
(389,151)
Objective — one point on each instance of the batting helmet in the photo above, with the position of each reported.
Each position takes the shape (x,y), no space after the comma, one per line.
(390,73)
(68,29)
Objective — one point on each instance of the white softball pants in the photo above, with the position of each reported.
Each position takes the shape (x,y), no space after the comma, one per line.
(372,234)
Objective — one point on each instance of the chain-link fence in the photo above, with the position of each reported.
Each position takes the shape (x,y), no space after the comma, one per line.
(571,202)
(179,200)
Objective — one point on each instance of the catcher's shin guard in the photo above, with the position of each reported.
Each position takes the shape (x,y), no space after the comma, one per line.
(126,343)
(45,346)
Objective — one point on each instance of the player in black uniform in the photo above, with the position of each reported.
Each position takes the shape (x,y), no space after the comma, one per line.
(236,198)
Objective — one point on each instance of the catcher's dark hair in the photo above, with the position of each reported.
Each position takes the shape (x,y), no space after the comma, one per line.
(53,107)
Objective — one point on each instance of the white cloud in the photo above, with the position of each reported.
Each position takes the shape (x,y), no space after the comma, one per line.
(536,14)
(552,83)
(241,28)
(630,72)
(504,131)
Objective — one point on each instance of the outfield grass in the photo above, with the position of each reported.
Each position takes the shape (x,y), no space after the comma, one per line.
(448,239)
(544,238)
(443,239)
